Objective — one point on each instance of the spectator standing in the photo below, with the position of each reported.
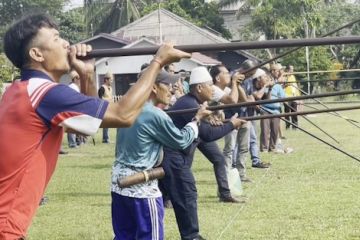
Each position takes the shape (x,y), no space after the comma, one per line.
(75,84)
(106,93)
(291,90)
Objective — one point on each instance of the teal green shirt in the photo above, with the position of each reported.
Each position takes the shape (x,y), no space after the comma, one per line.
(139,147)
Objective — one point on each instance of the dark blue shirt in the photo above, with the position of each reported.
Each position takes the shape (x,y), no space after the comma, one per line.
(207,132)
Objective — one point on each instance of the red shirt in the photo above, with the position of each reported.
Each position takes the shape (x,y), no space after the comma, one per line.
(33,113)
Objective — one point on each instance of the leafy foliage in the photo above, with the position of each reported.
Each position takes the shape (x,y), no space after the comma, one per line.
(72,26)
(13,10)
(7,71)
(104,16)
(278,19)
(198,12)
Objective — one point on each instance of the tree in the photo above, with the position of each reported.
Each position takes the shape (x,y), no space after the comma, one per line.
(72,25)
(311,18)
(15,9)
(11,10)
(7,71)
(106,16)
(338,14)
(199,12)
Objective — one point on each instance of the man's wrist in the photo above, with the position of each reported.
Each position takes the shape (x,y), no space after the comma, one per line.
(196,119)
(157,60)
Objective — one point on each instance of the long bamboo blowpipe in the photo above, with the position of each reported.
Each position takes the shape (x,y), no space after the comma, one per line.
(316,137)
(297,48)
(247,104)
(114,52)
(259,117)
(338,114)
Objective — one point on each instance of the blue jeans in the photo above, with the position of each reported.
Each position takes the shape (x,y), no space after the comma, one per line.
(236,148)
(71,140)
(253,148)
(105,137)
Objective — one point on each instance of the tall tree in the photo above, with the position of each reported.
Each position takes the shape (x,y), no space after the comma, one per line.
(286,19)
(107,16)
(11,10)
(72,25)
(199,12)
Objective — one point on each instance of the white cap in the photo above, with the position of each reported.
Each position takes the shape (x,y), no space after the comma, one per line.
(276,66)
(259,72)
(199,75)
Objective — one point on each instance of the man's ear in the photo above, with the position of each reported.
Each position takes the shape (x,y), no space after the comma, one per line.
(36,55)
(154,89)
(198,88)
(217,78)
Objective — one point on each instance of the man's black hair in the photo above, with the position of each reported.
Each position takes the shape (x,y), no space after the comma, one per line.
(18,37)
(247,64)
(215,71)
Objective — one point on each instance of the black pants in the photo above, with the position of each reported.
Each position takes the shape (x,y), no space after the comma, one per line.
(291,107)
(179,184)
(212,152)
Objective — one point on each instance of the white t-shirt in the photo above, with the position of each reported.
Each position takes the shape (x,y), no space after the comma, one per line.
(218,93)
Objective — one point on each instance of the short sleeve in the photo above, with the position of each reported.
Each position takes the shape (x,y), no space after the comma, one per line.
(217,93)
(63,106)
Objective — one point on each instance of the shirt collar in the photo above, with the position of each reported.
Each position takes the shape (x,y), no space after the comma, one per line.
(26,74)
(193,96)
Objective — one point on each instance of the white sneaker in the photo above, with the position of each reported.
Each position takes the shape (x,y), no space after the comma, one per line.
(279,151)
(288,150)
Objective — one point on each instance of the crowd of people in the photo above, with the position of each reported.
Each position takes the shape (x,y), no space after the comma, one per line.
(147,136)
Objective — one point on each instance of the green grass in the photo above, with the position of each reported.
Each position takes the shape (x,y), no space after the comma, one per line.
(312,193)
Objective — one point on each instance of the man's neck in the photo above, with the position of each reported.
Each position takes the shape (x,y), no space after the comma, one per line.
(198,98)
(55,76)
(220,86)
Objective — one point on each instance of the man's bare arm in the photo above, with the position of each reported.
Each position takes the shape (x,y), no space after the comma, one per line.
(124,112)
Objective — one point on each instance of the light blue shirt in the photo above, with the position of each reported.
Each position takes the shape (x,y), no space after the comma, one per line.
(277,92)
(139,148)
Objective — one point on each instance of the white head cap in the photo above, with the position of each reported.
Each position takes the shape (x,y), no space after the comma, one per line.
(276,66)
(259,72)
(199,75)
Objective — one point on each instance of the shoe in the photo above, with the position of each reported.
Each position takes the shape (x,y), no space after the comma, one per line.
(261,165)
(200,238)
(278,151)
(230,200)
(246,180)
(73,146)
(62,152)
(106,141)
(288,150)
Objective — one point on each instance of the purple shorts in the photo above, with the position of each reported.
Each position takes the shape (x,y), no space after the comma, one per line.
(137,218)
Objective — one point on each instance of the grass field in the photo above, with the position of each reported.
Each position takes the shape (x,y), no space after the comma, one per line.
(312,193)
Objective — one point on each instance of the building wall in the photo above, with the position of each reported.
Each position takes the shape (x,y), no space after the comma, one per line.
(172,29)
(131,65)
